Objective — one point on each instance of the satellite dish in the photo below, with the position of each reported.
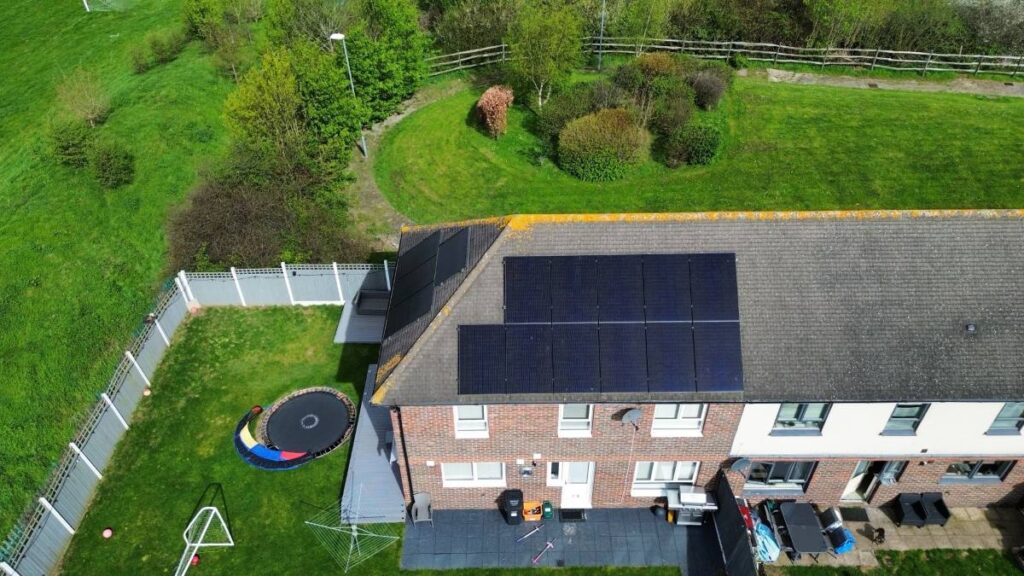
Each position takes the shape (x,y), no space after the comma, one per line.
(633,416)
(740,465)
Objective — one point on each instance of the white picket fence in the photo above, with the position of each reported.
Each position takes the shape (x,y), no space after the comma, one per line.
(37,543)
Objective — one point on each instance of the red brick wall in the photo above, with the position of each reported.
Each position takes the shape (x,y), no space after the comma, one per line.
(519,431)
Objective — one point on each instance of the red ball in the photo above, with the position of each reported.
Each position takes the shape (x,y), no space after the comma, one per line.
(195,559)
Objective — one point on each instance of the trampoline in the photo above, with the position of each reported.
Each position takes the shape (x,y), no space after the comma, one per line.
(304,425)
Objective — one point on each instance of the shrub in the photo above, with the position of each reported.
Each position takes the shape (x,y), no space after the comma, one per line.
(708,89)
(672,111)
(562,108)
(647,78)
(139,55)
(692,144)
(81,96)
(492,109)
(112,164)
(69,141)
(602,145)
(166,45)
(738,61)
(202,17)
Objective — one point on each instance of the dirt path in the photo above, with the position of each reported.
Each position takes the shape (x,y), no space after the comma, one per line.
(368,207)
(962,85)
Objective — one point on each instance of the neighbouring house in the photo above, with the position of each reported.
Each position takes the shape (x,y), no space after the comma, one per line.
(607,360)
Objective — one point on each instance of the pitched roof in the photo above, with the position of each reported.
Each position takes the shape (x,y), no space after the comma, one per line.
(834,306)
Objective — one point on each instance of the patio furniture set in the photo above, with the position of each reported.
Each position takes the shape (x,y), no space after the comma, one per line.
(798,529)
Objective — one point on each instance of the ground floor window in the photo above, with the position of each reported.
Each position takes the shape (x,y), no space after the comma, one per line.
(792,476)
(664,475)
(979,471)
(473,474)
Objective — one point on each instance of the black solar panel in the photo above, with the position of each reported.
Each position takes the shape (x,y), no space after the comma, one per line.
(620,288)
(406,312)
(414,280)
(717,356)
(623,358)
(527,290)
(713,287)
(482,359)
(573,289)
(528,357)
(575,352)
(412,258)
(670,357)
(667,287)
(452,255)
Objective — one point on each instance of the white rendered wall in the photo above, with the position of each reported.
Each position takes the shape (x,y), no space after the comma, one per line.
(948,429)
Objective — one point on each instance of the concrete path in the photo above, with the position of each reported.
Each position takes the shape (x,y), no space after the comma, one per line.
(962,85)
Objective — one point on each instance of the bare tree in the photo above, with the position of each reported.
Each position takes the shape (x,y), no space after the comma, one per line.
(82,96)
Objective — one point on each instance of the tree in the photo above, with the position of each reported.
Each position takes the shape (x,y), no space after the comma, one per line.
(81,96)
(545,44)
(640,20)
(315,20)
(263,112)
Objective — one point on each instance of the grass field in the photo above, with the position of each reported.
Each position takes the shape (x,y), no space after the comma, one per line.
(82,265)
(787,147)
(223,362)
(922,563)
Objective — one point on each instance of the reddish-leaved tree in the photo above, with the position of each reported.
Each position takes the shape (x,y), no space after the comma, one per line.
(493,109)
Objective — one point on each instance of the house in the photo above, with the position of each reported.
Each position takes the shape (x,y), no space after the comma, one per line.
(607,360)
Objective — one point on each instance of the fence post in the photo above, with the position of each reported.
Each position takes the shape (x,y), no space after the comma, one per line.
(337,282)
(159,328)
(926,63)
(110,404)
(6,569)
(85,460)
(186,287)
(131,358)
(875,58)
(287,284)
(238,287)
(824,57)
(60,519)
(387,276)
(778,48)
(977,66)
(1019,62)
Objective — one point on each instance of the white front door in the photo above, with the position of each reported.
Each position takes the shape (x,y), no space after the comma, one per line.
(578,484)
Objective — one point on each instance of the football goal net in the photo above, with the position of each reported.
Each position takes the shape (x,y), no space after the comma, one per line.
(206,529)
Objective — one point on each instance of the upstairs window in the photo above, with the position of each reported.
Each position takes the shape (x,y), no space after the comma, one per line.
(779,476)
(1010,420)
(678,419)
(471,421)
(979,472)
(801,419)
(905,419)
(575,420)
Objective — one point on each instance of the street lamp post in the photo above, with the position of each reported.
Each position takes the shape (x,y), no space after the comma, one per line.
(339,37)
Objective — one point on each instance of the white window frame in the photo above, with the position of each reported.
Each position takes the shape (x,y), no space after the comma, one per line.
(678,427)
(575,432)
(651,487)
(471,433)
(474,482)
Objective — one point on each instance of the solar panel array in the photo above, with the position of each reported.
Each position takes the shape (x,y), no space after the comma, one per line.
(428,264)
(634,323)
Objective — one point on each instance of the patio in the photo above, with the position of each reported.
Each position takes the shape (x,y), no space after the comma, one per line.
(609,537)
(968,528)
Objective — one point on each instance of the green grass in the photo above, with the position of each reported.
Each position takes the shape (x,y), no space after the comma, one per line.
(787,147)
(223,362)
(81,264)
(923,563)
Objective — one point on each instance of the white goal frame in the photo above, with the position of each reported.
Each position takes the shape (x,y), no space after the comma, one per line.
(209,513)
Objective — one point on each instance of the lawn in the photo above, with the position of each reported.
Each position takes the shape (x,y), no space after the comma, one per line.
(82,265)
(923,563)
(224,361)
(788,147)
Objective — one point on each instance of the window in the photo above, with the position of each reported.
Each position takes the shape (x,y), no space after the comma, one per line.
(891,472)
(801,419)
(1010,419)
(473,474)
(470,421)
(574,420)
(905,419)
(779,476)
(678,420)
(660,476)
(980,472)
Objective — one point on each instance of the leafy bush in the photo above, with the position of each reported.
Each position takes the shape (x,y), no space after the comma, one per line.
(492,108)
(475,23)
(708,89)
(165,46)
(738,61)
(139,55)
(562,108)
(113,165)
(647,78)
(602,145)
(69,141)
(672,110)
(81,96)
(692,144)
(202,17)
